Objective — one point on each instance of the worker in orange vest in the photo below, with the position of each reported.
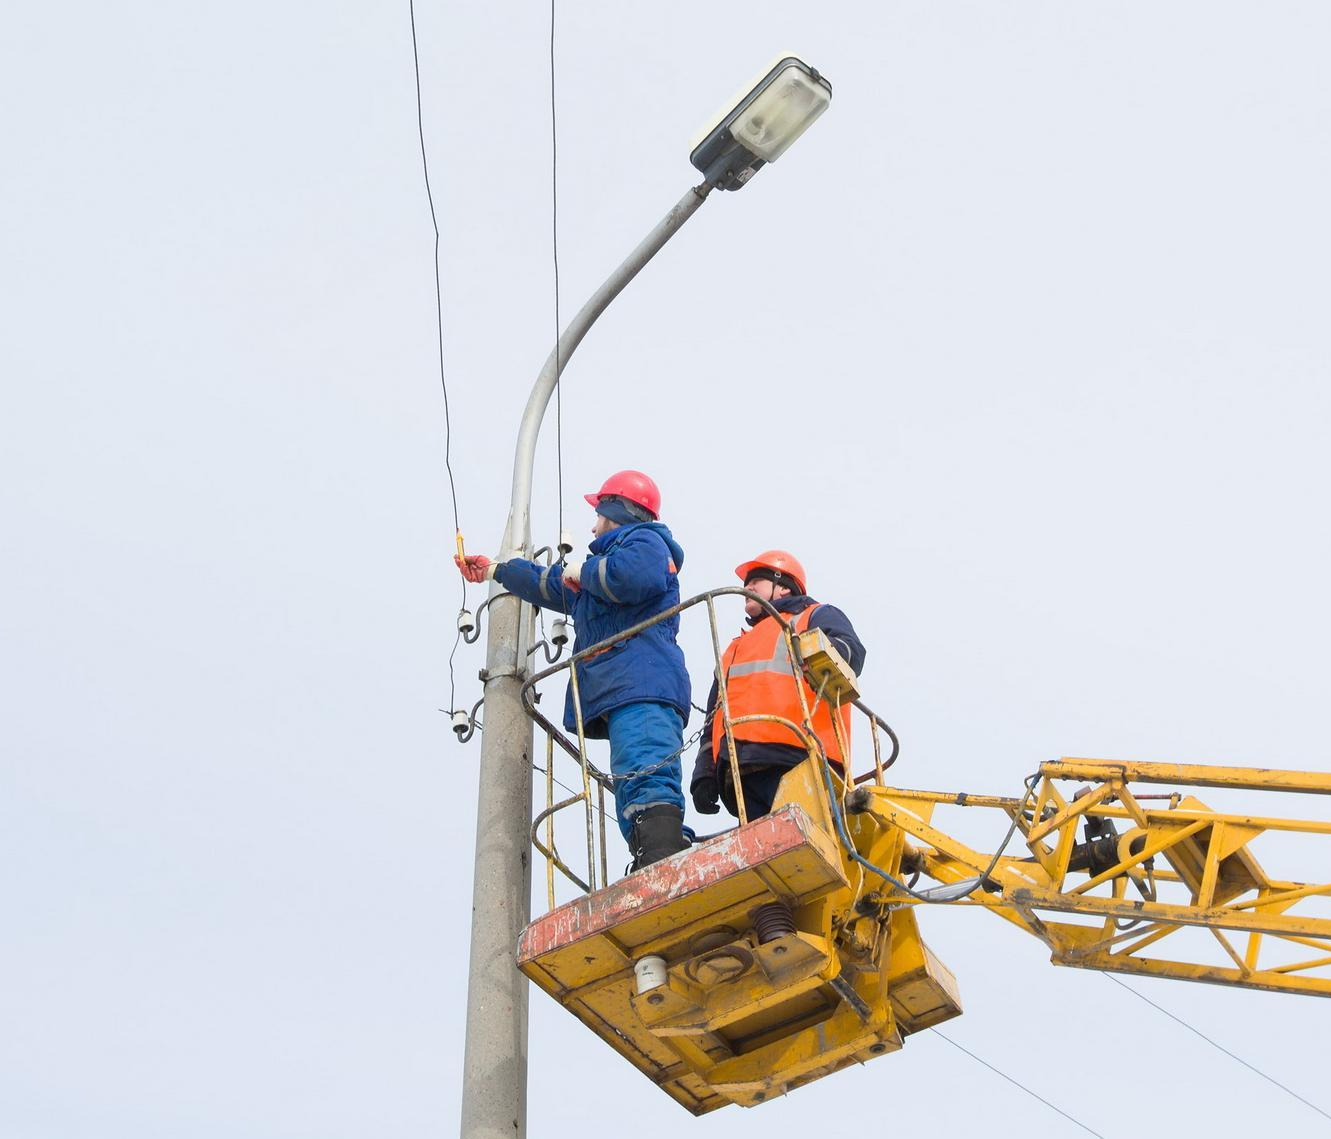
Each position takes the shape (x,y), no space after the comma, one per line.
(762,680)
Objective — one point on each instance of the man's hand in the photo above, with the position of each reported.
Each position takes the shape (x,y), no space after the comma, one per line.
(706,795)
(571,576)
(476,568)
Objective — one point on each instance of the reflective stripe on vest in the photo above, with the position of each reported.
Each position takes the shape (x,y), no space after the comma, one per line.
(778,662)
(761,680)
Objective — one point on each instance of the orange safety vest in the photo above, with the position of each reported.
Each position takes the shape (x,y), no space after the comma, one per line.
(761,680)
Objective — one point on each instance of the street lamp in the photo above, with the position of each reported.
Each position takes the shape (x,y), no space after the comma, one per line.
(763,124)
(494,1080)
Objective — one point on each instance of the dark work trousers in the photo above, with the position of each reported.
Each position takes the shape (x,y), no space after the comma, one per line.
(760,787)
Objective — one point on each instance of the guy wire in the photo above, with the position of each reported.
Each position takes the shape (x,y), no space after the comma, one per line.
(1219,1047)
(1019,1084)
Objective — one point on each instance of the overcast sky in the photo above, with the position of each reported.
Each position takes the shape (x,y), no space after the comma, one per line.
(1023,348)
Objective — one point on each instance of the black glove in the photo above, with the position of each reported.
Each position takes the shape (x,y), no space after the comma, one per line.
(706,795)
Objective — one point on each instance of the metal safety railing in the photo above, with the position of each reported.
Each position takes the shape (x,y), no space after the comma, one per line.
(595,783)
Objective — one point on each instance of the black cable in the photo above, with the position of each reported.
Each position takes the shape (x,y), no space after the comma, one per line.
(856,856)
(554,242)
(457,640)
(1018,1084)
(1213,1044)
(555,779)
(439,322)
(438,291)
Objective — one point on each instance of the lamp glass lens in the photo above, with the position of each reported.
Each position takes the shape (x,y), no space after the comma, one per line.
(782,113)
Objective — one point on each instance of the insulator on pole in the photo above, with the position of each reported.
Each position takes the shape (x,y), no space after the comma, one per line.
(559,632)
(466,623)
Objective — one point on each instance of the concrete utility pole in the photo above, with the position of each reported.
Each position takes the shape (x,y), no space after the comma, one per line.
(494,1078)
(755,132)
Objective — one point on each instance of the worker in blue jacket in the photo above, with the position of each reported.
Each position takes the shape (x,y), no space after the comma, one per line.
(634,692)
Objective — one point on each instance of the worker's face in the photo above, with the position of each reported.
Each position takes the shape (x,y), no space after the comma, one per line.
(767,590)
(602,525)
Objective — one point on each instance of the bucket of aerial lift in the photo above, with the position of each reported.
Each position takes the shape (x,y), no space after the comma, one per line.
(754,975)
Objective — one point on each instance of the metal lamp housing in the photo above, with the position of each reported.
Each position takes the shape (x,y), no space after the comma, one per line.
(763,125)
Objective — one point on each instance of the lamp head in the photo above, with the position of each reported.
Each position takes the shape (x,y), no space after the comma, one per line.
(763,124)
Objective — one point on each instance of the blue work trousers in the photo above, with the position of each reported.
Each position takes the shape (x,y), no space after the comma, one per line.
(641,737)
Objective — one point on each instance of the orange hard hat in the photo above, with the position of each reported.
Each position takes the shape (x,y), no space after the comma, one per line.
(633,485)
(782,563)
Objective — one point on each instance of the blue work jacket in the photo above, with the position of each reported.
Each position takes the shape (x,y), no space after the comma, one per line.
(632,574)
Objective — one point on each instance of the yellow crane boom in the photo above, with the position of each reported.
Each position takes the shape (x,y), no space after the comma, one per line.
(1173,868)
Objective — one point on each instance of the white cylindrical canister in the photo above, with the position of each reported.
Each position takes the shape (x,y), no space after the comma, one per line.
(651,973)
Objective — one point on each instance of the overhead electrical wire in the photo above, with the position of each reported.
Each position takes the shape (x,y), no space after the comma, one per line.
(439,322)
(1019,1084)
(554,245)
(1219,1047)
(438,290)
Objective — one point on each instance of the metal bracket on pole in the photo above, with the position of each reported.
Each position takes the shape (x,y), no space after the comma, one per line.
(486,675)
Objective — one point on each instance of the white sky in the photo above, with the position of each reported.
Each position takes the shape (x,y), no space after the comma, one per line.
(1024,348)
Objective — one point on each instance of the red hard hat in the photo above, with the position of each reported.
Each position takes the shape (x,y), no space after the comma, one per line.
(779,561)
(633,485)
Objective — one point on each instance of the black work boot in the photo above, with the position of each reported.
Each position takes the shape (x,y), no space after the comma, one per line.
(658,832)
